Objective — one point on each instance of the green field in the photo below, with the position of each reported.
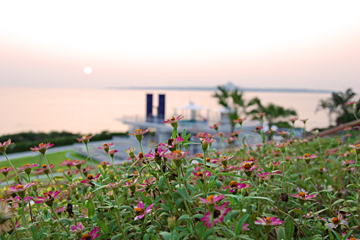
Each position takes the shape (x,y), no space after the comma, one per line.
(54,158)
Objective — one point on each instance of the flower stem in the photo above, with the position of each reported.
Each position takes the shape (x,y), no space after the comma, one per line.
(205,170)
(87,150)
(46,160)
(11,165)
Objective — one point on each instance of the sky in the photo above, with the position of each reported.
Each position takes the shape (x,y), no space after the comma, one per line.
(271,44)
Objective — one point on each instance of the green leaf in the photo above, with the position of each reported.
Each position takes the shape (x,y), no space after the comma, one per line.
(241,223)
(166,235)
(218,184)
(281,233)
(183,217)
(161,183)
(189,172)
(91,208)
(183,192)
(290,228)
(103,226)
(337,202)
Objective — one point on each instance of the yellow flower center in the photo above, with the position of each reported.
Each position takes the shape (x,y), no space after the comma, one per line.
(302,194)
(105,144)
(199,174)
(251,159)
(89,176)
(247,166)
(233,184)
(335,220)
(103,162)
(210,198)
(26,164)
(44,166)
(207,159)
(86,236)
(138,131)
(358,145)
(172,119)
(139,211)
(307,155)
(268,220)
(19,186)
(4,167)
(40,144)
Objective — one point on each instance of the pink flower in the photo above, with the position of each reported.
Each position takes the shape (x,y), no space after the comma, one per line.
(78,228)
(67,162)
(215,126)
(235,134)
(104,164)
(28,167)
(308,157)
(239,120)
(90,178)
(235,187)
(141,212)
(172,143)
(347,162)
(4,145)
(293,119)
(48,198)
(336,221)
(77,163)
(303,196)
(92,235)
(212,199)
(45,169)
(5,170)
(42,147)
(112,152)
(20,189)
(106,147)
(85,139)
(176,156)
(139,133)
(219,214)
(174,121)
(60,210)
(264,176)
(268,221)
(257,129)
(247,167)
(304,120)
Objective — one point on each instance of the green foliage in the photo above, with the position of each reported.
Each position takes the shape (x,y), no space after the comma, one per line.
(24,141)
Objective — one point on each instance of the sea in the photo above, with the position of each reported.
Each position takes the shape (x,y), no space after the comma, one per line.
(90,111)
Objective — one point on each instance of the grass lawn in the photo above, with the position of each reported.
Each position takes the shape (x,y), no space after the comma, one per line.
(54,158)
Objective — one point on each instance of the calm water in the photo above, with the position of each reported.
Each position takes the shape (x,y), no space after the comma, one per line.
(96,110)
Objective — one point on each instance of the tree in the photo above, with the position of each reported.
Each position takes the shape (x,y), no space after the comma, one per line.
(336,104)
(272,113)
(232,100)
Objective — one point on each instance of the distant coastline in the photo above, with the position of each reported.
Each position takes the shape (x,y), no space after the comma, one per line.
(293,90)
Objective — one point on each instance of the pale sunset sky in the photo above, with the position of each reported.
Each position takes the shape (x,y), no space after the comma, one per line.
(272,44)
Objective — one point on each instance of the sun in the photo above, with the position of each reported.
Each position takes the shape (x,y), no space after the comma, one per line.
(87,70)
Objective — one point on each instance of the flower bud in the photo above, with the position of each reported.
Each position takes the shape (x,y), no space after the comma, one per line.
(284,197)
(204,145)
(172,223)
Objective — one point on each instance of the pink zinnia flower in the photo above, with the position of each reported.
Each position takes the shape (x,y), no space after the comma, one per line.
(293,119)
(77,163)
(235,134)
(347,162)
(303,196)
(171,143)
(42,147)
(235,186)
(176,157)
(269,221)
(92,235)
(60,210)
(85,139)
(90,178)
(264,176)
(141,212)
(174,121)
(20,189)
(219,214)
(304,120)
(28,167)
(247,167)
(336,221)
(78,228)
(106,147)
(257,129)
(212,199)
(4,145)
(67,162)
(5,170)
(139,133)
(112,152)
(239,120)
(215,126)
(308,157)
(45,169)
(48,198)
(105,164)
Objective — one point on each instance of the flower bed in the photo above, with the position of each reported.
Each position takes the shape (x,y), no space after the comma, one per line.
(295,189)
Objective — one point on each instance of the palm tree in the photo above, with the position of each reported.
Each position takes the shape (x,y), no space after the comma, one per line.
(233,101)
(273,113)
